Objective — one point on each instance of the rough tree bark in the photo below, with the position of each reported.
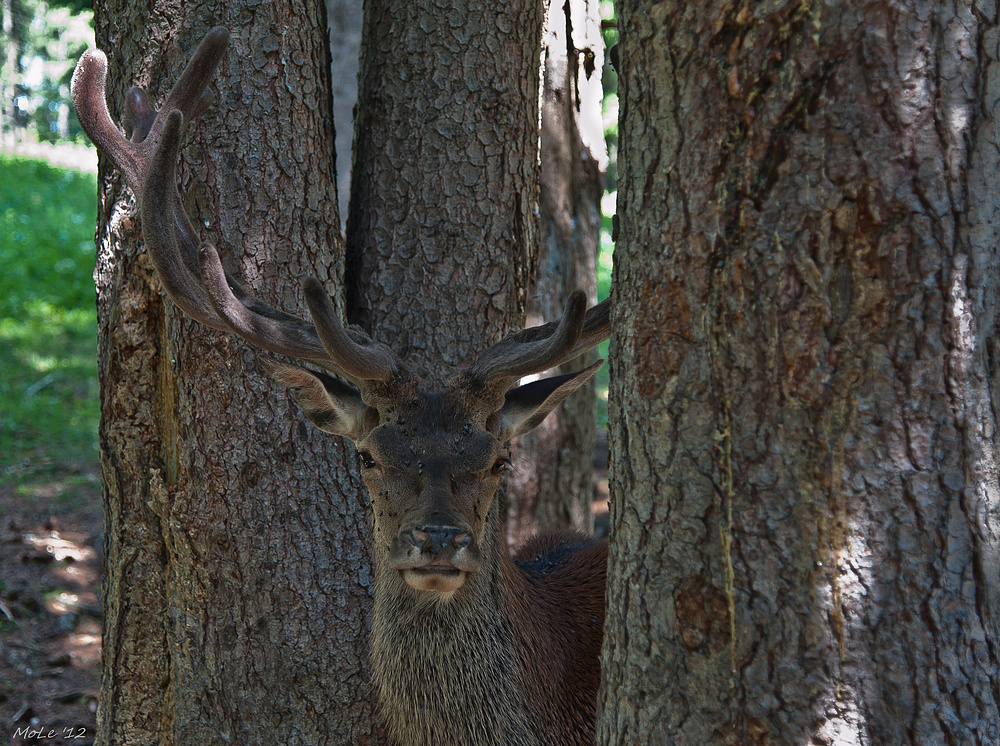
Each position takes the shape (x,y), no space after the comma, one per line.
(551,483)
(441,237)
(806,539)
(236,563)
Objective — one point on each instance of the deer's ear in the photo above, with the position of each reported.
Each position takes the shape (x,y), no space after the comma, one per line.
(526,406)
(330,405)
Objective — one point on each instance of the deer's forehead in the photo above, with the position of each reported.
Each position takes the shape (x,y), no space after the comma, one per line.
(466,446)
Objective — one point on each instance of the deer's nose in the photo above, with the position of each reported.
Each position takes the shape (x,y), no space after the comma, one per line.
(439,540)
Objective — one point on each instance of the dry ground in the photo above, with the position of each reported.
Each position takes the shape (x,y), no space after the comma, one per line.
(50,611)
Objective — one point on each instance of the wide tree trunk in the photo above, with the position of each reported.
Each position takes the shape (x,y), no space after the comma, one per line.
(236,574)
(442,237)
(551,483)
(805,508)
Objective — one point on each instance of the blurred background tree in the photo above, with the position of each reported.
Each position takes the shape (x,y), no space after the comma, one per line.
(41,41)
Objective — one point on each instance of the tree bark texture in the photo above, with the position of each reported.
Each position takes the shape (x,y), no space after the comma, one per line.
(805,526)
(551,482)
(442,236)
(236,572)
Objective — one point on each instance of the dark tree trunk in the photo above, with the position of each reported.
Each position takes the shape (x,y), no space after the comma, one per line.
(805,511)
(551,483)
(442,237)
(236,592)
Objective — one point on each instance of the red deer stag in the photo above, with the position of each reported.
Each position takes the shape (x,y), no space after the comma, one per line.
(469,644)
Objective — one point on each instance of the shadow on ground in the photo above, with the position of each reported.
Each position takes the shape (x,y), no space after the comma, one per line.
(50,609)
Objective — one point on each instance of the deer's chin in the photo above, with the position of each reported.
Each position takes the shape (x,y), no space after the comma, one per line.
(436,578)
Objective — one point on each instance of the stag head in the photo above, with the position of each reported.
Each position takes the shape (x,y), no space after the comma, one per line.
(431,460)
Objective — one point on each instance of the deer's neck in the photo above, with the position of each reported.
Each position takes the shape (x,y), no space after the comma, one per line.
(451,671)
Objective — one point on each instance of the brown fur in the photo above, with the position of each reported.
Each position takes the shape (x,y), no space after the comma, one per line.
(511,659)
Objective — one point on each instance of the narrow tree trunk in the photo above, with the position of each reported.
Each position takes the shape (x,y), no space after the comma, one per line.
(10,67)
(442,238)
(236,577)
(345,22)
(805,511)
(552,476)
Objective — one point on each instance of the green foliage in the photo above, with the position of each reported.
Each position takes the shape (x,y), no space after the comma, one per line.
(606,247)
(74,6)
(48,325)
(604,261)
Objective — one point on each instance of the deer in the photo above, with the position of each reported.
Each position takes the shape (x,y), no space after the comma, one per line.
(470,643)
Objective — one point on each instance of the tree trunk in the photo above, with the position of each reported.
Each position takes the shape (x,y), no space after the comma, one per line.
(805,529)
(551,478)
(442,238)
(10,67)
(551,482)
(236,576)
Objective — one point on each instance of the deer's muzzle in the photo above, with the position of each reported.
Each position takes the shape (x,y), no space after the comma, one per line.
(435,558)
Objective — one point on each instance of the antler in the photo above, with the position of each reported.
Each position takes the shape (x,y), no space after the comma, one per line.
(193,276)
(188,96)
(191,272)
(541,347)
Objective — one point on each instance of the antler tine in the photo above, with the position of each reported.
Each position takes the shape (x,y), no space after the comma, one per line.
(139,115)
(190,95)
(369,362)
(88,86)
(187,96)
(596,328)
(523,354)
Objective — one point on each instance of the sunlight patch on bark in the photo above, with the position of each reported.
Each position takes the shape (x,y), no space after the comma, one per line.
(844,729)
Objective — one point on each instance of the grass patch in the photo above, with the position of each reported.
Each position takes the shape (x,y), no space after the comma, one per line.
(49,406)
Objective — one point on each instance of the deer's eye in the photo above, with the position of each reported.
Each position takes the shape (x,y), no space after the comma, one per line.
(366,460)
(499,466)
